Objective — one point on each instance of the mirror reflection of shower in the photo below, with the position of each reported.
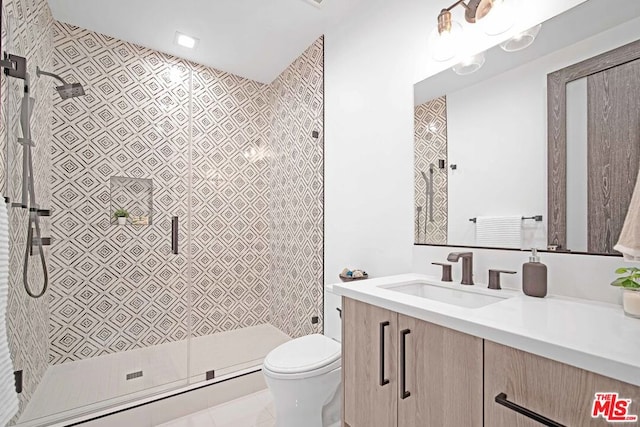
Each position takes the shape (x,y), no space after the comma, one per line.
(29,201)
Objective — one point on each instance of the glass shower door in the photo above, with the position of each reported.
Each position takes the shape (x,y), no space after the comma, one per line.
(113,326)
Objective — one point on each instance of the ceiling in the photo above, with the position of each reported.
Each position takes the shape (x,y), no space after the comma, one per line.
(256,39)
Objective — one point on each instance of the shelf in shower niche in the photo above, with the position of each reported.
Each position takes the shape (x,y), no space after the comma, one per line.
(135,195)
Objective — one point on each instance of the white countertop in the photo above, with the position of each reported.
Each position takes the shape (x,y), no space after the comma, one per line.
(594,336)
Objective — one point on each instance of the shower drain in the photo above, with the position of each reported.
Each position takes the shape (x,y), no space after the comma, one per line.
(133,375)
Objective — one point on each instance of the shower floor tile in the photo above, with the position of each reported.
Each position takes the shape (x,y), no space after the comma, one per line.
(79,387)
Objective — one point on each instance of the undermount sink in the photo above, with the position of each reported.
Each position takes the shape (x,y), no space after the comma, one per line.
(459,297)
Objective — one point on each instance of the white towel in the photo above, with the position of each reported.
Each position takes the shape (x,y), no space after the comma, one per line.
(499,231)
(629,241)
(8,396)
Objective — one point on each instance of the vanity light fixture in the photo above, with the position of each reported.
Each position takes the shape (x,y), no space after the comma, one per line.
(445,39)
(501,18)
(522,40)
(497,16)
(184,40)
(469,65)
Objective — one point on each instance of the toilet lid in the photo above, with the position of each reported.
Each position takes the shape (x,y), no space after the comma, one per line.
(303,354)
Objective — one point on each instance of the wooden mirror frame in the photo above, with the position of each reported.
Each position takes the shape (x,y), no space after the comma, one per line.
(557,132)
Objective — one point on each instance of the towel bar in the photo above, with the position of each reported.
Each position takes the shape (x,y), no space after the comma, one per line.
(537,218)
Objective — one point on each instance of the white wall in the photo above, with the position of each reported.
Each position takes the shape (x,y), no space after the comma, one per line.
(371,63)
(369,140)
(497,136)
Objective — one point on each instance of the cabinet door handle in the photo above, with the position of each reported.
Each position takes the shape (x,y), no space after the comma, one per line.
(501,399)
(383,380)
(403,364)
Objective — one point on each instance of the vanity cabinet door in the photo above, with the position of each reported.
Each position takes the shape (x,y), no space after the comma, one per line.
(561,393)
(443,376)
(369,368)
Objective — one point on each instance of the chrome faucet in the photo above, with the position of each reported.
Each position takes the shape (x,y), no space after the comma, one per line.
(467,265)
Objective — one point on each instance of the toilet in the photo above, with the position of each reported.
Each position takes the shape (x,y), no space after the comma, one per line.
(304,376)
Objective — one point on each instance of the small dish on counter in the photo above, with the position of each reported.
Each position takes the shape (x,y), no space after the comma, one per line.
(347,275)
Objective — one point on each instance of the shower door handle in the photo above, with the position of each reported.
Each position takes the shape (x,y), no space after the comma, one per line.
(174,235)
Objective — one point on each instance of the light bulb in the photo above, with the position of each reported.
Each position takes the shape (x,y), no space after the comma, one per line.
(469,65)
(500,19)
(522,40)
(444,46)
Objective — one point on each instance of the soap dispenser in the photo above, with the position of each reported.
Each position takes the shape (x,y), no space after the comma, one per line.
(534,276)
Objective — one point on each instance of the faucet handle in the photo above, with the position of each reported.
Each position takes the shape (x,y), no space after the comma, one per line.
(494,278)
(446,271)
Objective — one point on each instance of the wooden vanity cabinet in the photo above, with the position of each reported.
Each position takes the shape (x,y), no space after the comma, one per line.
(369,337)
(432,375)
(561,393)
(399,371)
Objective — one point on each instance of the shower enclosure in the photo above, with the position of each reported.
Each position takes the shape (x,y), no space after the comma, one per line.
(220,259)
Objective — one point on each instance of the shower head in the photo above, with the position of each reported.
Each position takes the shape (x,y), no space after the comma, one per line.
(67,90)
(70,90)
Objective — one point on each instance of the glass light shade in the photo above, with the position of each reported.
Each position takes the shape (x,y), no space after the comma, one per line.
(500,19)
(444,46)
(522,40)
(469,65)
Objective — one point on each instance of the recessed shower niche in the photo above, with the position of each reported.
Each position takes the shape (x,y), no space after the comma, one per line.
(135,195)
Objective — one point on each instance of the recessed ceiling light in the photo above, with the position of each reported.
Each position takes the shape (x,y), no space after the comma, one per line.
(185,40)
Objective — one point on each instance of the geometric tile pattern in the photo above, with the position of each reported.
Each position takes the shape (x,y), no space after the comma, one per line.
(26,32)
(229,202)
(430,146)
(192,131)
(297,193)
(116,288)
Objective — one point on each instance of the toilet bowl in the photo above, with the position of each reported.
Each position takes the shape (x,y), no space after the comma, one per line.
(304,377)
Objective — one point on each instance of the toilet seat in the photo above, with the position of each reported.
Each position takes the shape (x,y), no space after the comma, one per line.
(303,357)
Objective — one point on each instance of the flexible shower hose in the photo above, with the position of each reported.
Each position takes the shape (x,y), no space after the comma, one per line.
(34,219)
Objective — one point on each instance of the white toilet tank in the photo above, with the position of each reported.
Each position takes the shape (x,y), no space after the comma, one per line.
(332,311)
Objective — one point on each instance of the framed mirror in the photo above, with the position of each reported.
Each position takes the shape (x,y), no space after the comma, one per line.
(594,148)
(481,142)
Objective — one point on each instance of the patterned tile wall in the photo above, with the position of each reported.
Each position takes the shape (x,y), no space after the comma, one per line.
(115,287)
(27,32)
(229,210)
(297,192)
(430,146)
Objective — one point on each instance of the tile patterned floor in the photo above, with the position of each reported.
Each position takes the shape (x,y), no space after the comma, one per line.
(254,410)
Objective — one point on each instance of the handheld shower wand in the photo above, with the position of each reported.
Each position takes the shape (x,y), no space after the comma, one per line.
(34,235)
(29,195)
